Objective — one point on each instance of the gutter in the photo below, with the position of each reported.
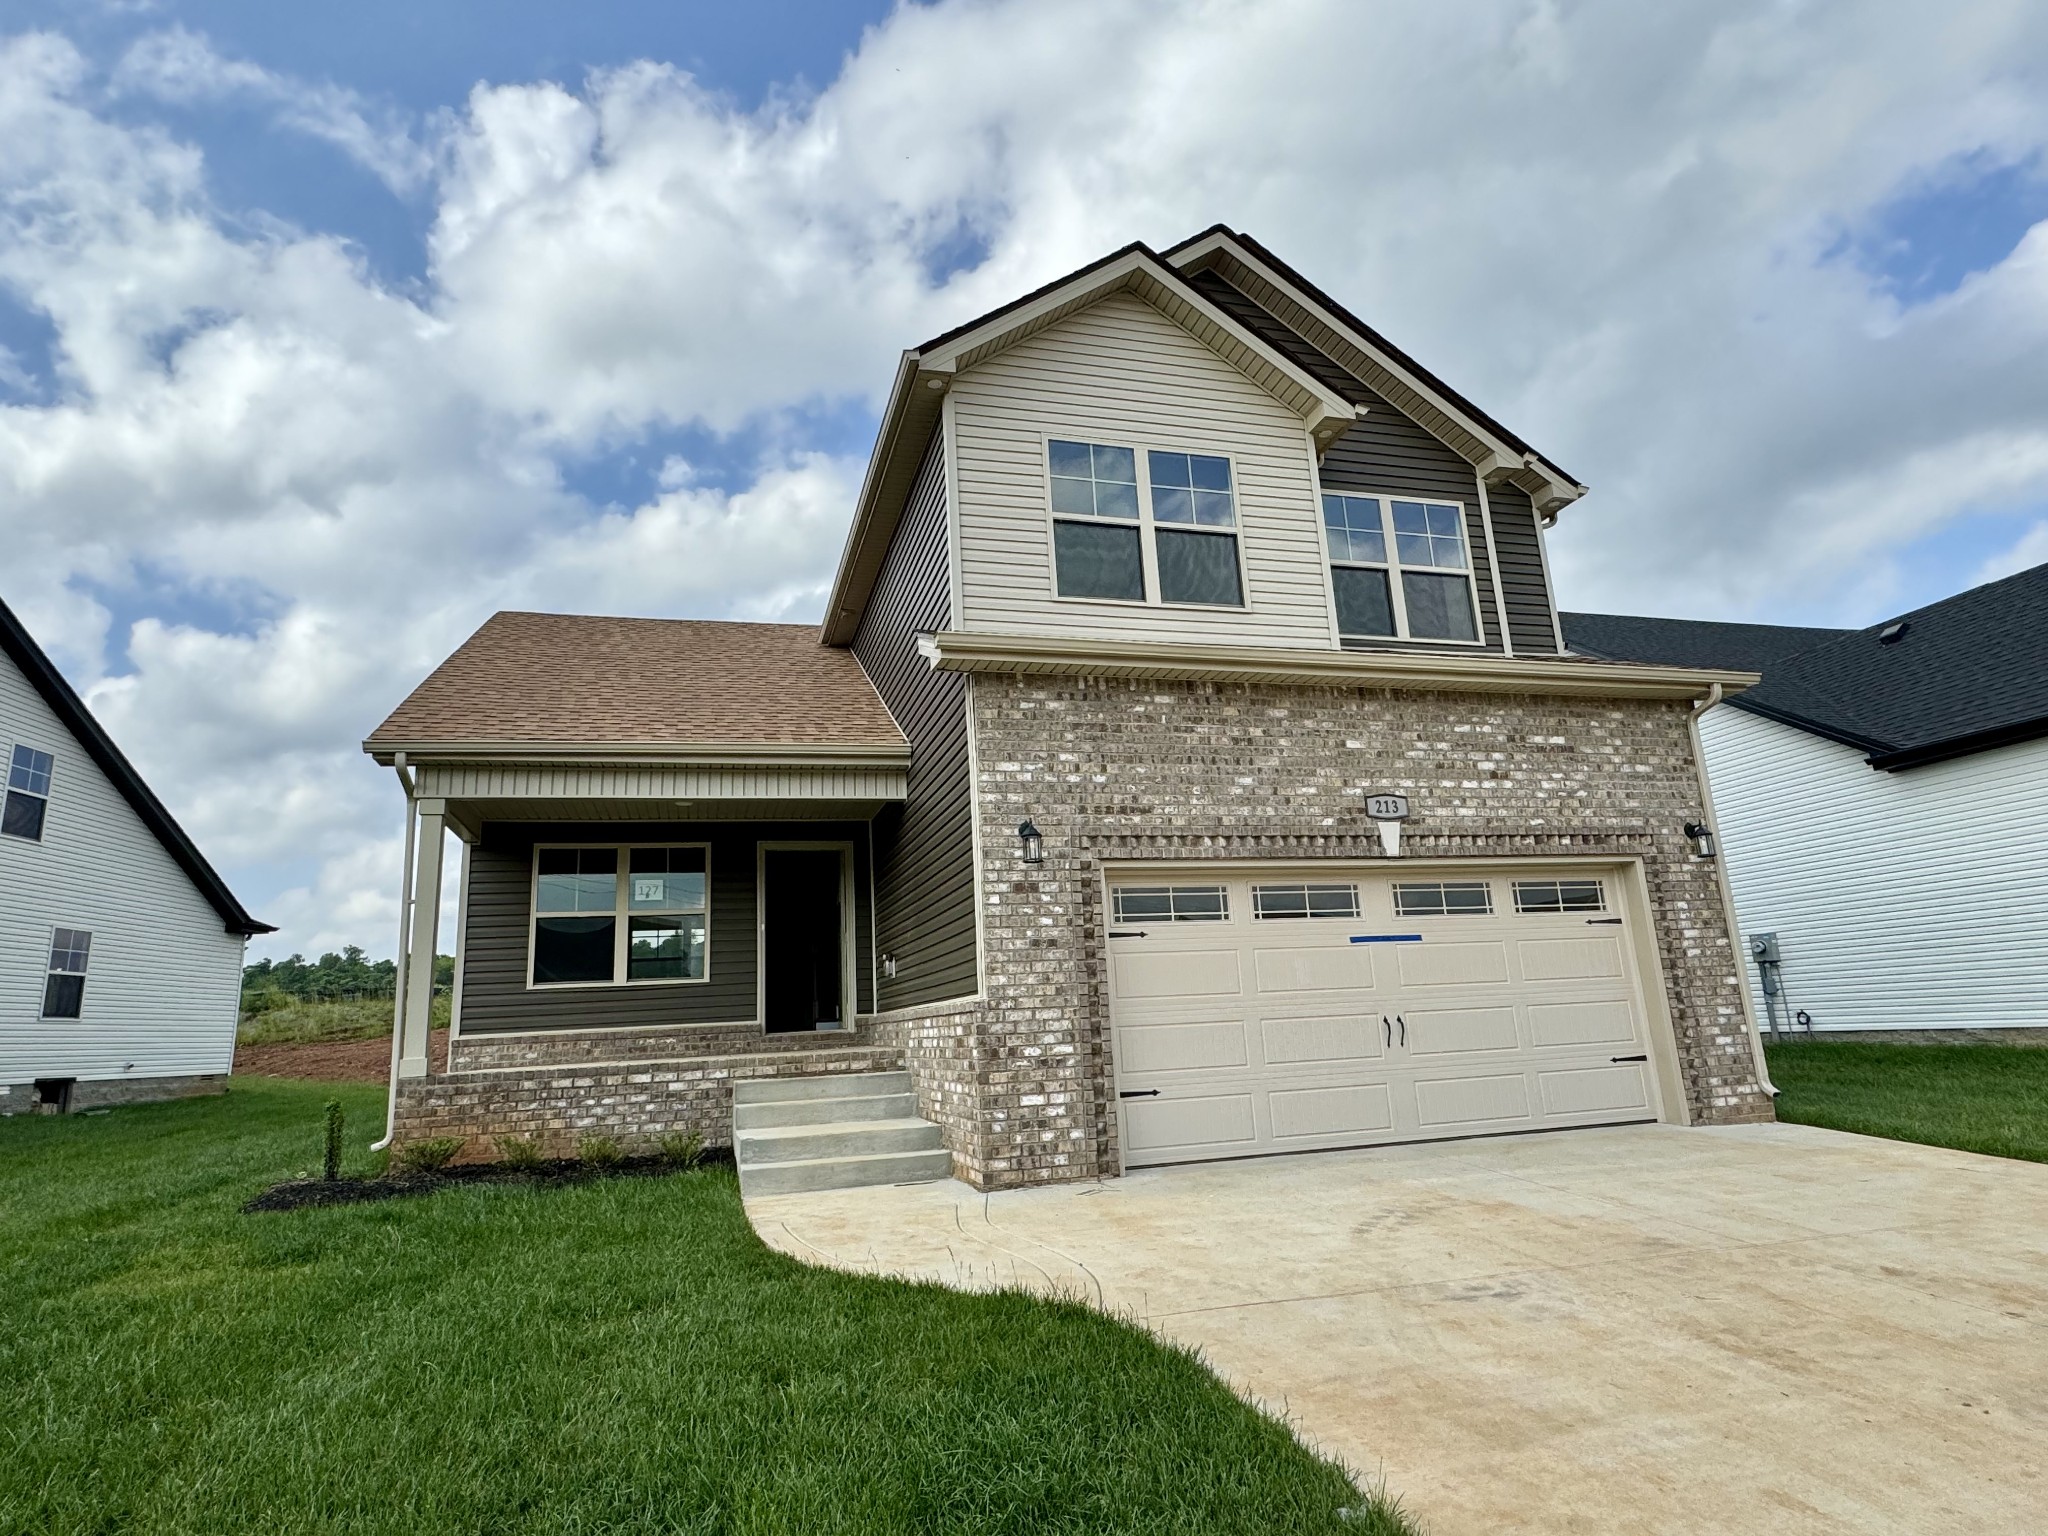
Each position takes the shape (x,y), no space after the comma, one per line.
(1715,695)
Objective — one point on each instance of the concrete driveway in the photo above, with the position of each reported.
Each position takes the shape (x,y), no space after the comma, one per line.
(1648,1329)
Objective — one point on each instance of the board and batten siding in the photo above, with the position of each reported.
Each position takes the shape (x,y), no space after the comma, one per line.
(1391,451)
(1120,372)
(164,981)
(496,998)
(924,847)
(1909,900)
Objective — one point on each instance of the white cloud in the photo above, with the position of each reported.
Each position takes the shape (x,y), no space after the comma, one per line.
(1613,225)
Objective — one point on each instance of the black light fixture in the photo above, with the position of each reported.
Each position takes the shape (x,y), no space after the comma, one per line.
(1033,841)
(1702,837)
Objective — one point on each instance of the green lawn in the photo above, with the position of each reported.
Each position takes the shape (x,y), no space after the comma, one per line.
(618,1357)
(1979,1098)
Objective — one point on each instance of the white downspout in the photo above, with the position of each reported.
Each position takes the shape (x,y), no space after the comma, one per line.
(404,928)
(1699,765)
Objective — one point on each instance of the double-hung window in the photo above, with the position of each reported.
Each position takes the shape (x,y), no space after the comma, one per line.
(1410,582)
(64,987)
(1172,539)
(608,915)
(28,794)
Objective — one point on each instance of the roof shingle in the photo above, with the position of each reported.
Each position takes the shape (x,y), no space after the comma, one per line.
(573,681)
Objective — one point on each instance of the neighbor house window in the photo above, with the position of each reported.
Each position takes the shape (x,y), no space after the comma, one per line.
(1270,901)
(1560,896)
(1444,898)
(1412,581)
(64,987)
(607,915)
(28,793)
(1173,540)
(1170,904)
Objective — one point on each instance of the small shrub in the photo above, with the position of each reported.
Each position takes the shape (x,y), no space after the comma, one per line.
(430,1155)
(680,1149)
(520,1152)
(600,1152)
(330,1163)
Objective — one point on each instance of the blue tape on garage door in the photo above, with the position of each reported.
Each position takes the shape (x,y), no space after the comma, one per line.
(1386,938)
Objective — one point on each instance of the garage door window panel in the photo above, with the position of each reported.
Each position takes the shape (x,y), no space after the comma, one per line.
(1443,898)
(1170,904)
(1304,901)
(1560,896)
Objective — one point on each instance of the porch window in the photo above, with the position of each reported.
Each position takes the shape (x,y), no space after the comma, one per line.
(609,915)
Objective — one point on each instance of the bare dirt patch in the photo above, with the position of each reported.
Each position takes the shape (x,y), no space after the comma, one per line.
(332,1061)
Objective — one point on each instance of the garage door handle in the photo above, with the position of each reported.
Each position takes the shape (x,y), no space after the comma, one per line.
(1628,1058)
(1140,1093)
(1126,933)
(1387,1029)
(1593,922)
(1402,1020)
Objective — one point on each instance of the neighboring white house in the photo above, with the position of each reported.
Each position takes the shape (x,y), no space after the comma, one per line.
(1882,806)
(120,948)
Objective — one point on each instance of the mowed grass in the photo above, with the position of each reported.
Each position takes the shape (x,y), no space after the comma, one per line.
(301,1023)
(1977,1098)
(618,1357)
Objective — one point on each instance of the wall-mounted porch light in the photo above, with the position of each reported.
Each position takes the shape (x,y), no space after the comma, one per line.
(1033,849)
(1702,837)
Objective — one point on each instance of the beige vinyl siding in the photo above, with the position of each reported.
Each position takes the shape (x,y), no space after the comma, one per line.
(1909,900)
(1120,372)
(164,979)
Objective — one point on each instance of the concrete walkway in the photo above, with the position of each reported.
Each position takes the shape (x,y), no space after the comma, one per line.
(1766,1329)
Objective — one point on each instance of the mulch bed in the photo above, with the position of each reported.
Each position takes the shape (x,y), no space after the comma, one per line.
(555,1173)
(331,1061)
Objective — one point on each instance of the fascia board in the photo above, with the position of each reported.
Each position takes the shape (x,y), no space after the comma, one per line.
(978,652)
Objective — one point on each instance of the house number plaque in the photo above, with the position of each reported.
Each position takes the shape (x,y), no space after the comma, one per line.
(1387,807)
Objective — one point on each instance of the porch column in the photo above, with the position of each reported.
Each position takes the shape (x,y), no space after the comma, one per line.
(426,926)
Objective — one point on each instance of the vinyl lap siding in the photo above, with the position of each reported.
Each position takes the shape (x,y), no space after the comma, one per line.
(1518,541)
(924,849)
(1901,900)
(496,998)
(164,981)
(1120,372)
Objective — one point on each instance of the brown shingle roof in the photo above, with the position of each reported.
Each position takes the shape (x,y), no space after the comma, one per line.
(569,681)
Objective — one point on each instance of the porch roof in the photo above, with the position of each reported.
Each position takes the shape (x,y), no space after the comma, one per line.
(571,687)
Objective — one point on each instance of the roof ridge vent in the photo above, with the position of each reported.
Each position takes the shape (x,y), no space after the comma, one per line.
(1893,632)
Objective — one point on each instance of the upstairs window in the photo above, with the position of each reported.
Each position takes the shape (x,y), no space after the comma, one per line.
(64,987)
(1172,539)
(28,794)
(1410,582)
(606,915)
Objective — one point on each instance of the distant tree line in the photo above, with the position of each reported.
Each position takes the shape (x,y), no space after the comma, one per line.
(332,978)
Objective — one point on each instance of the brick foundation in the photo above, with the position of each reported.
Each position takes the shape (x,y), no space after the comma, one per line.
(635,1103)
(589,1047)
(109,1093)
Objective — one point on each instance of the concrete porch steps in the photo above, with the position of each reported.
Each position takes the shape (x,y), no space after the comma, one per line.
(838,1131)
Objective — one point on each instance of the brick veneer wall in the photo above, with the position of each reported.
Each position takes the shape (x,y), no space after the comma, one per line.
(939,1045)
(569,1048)
(635,1103)
(1129,769)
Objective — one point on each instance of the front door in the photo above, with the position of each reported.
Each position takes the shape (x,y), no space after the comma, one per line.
(803,950)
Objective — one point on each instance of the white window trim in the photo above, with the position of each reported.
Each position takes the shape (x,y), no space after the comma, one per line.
(50,969)
(621,915)
(1148,560)
(7,785)
(1394,569)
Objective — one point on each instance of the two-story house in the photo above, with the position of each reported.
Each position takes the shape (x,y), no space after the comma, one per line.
(1056,836)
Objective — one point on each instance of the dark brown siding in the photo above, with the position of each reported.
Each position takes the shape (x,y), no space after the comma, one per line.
(924,850)
(496,998)
(1516,537)
(1389,451)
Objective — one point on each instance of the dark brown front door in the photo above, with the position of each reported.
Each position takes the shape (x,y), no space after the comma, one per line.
(802,939)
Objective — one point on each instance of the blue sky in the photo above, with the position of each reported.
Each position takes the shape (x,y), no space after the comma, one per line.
(330,330)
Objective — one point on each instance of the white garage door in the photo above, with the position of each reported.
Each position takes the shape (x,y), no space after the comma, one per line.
(1279,1012)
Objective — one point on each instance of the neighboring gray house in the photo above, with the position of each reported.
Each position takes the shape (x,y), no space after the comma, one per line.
(120,948)
(1882,803)
(1051,854)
